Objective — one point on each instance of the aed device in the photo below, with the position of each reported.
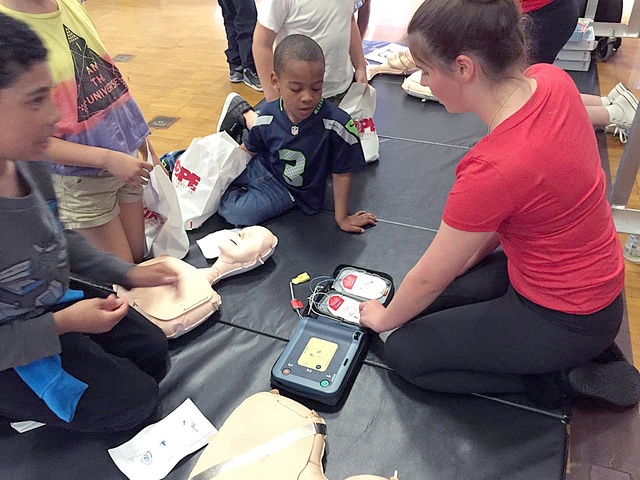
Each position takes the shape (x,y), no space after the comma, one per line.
(328,346)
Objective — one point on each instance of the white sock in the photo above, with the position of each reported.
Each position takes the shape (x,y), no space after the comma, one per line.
(606,101)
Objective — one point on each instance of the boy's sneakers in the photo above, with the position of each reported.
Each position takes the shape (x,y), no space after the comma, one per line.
(232,119)
(616,382)
(236,75)
(621,114)
(251,80)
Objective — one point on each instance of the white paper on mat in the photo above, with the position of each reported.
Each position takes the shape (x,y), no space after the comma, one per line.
(379,55)
(153,452)
(22,427)
(210,245)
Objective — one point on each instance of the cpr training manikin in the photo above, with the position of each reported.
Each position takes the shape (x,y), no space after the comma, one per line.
(179,308)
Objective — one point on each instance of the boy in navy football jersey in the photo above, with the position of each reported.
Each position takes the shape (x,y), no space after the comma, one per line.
(297,141)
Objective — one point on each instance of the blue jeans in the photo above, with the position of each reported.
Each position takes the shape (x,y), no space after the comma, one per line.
(255,196)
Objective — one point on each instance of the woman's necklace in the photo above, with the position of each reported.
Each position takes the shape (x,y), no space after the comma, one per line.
(500,108)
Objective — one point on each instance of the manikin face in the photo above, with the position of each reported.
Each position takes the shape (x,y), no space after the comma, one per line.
(247,246)
(300,86)
(27,115)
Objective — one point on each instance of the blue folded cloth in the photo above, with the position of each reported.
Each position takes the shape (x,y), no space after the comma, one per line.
(59,390)
(46,377)
(71,296)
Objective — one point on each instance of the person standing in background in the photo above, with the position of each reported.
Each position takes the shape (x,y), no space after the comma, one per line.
(364,13)
(240,18)
(552,23)
(331,24)
(100,146)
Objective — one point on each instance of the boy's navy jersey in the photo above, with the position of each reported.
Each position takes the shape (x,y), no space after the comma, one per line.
(302,156)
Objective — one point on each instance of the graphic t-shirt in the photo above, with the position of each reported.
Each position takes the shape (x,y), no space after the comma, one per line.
(37,258)
(302,156)
(96,106)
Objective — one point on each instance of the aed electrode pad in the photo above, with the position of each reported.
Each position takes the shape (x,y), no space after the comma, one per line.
(336,304)
(362,284)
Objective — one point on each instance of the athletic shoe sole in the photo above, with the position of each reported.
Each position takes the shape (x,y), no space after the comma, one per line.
(252,86)
(617,383)
(225,109)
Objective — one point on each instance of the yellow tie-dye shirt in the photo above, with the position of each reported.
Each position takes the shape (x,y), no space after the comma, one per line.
(96,106)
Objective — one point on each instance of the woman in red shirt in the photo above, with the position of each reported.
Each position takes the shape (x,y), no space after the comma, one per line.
(546,308)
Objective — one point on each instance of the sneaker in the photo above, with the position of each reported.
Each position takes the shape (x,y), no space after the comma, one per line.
(251,80)
(621,133)
(617,383)
(231,118)
(236,76)
(623,110)
(611,354)
(621,114)
(618,90)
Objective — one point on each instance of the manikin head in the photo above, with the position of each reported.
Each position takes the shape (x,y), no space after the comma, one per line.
(298,64)
(27,114)
(456,41)
(243,251)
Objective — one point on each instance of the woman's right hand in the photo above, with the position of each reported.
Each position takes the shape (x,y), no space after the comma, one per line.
(132,170)
(94,315)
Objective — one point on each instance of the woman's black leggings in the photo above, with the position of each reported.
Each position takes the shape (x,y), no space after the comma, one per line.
(551,27)
(481,336)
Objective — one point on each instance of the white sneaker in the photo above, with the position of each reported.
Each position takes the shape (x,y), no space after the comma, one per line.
(621,114)
(618,90)
(623,110)
(621,133)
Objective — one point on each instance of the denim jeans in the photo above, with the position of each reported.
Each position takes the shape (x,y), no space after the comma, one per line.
(239,18)
(255,196)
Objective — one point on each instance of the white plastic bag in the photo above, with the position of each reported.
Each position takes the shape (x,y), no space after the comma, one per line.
(163,228)
(203,173)
(360,103)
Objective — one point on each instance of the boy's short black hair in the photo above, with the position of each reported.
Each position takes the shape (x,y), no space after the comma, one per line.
(297,47)
(20,49)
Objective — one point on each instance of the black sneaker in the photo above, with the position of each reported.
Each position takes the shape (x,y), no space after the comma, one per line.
(231,118)
(236,76)
(251,80)
(611,354)
(617,383)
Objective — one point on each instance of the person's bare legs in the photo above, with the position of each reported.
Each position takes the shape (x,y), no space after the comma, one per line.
(593,100)
(132,220)
(109,237)
(598,115)
(617,108)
